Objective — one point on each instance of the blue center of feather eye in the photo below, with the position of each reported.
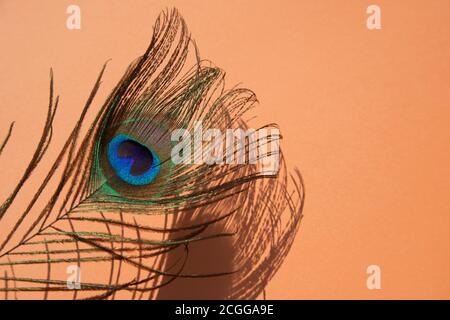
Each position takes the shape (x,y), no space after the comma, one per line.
(132,161)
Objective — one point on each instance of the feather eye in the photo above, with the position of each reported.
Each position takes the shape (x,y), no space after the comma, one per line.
(137,224)
(132,161)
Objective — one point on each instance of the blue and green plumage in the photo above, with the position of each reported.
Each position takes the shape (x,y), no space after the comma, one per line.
(132,161)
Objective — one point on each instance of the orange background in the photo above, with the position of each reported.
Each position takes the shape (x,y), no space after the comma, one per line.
(364,114)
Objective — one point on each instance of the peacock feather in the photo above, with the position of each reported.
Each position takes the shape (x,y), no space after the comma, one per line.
(137,225)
